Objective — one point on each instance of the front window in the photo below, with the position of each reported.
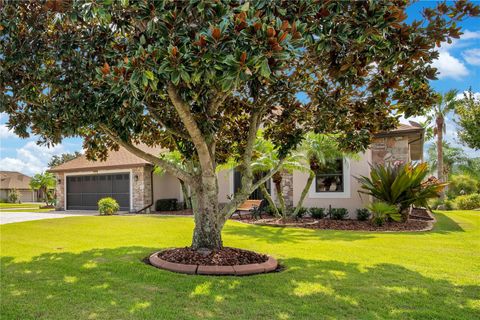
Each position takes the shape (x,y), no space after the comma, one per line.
(329,177)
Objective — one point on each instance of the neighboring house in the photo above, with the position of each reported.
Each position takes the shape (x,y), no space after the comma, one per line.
(130,179)
(10,180)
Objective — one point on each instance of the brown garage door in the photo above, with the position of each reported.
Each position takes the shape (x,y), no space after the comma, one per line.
(83,192)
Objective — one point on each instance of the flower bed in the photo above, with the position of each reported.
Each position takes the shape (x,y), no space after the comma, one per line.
(329,224)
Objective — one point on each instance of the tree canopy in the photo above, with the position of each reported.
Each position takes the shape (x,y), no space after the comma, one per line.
(201,77)
(468,112)
(57,160)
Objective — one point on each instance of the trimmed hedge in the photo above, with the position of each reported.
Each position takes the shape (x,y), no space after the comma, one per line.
(339,213)
(108,206)
(166,205)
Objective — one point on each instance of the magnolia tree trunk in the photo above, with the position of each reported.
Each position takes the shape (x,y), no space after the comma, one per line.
(208,219)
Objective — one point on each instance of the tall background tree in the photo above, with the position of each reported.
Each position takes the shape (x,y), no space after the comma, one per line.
(45,183)
(451,157)
(201,77)
(445,104)
(468,112)
(57,160)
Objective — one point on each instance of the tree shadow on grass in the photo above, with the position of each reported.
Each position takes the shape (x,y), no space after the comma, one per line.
(114,284)
(291,234)
(445,224)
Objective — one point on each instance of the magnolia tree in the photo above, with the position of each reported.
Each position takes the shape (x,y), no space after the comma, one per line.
(201,77)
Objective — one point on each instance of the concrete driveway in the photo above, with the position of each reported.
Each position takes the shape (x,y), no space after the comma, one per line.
(12,217)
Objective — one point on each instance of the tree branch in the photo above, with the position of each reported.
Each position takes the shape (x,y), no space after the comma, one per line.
(194,131)
(167,128)
(168,166)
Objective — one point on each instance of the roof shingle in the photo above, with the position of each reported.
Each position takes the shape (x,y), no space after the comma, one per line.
(14,180)
(116,159)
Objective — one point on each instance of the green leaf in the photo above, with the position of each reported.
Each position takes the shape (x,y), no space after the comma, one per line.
(265,69)
(175,77)
(245,7)
(185,76)
(149,74)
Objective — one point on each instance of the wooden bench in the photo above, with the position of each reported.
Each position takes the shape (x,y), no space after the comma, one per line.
(247,207)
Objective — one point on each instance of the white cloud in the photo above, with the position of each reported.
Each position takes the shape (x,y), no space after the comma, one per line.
(5,132)
(472,56)
(450,67)
(460,95)
(469,35)
(31,158)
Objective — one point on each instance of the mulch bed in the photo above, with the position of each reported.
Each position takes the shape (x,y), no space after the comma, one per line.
(224,257)
(421,214)
(328,224)
(47,207)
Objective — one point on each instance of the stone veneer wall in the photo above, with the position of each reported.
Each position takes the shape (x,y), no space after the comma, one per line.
(59,191)
(390,149)
(142,187)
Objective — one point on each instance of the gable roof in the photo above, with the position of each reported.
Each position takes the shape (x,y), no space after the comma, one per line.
(116,159)
(14,180)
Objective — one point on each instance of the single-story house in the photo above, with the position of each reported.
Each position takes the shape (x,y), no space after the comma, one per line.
(10,180)
(130,179)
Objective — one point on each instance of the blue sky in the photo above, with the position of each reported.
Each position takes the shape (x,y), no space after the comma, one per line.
(458,64)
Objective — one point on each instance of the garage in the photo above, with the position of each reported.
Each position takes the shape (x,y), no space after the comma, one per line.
(84,191)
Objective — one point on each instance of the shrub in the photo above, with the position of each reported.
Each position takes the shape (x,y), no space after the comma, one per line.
(301,212)
(338,213)
(363,214)
(468,202)
(381,211)
(461,185)
(317,213)
(3,200)
(108,206)
(14,196)
(401,185)
(166,205)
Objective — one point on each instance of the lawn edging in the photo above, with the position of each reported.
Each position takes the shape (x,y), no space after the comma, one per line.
(238,270)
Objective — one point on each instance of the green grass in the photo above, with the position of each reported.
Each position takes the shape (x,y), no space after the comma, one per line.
(19,205)
(90,268)
(22,207)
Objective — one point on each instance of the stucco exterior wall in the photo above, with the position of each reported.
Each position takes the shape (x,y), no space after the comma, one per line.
(225,186)
(350,200)
(166,187)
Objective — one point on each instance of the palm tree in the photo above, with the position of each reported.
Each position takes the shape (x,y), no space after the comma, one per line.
(445,104)
(452,156)
(45,183)
(266,158)
(318,150)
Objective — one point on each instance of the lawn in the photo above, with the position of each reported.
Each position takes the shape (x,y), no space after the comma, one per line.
(90,268)
(22,207)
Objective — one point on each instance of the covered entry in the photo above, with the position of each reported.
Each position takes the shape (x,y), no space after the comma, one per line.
(84,191)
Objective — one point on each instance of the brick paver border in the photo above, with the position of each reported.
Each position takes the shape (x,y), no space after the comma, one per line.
(240,270)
